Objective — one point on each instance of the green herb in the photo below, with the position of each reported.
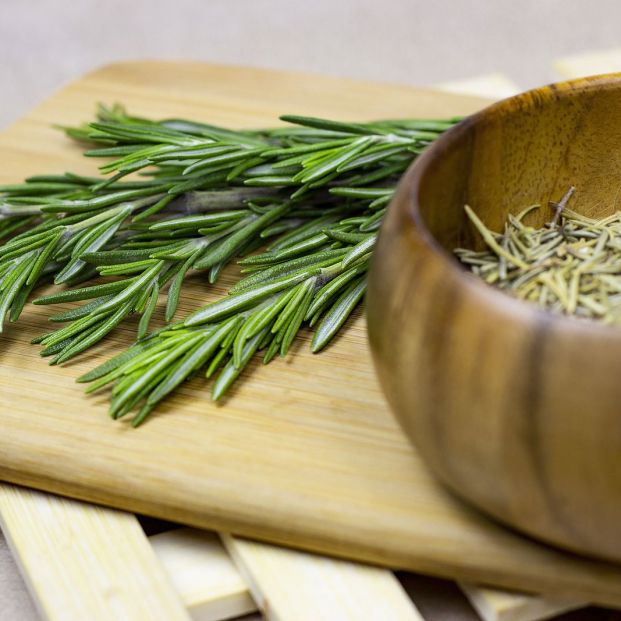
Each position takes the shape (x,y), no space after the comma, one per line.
(264,311)
(201,169)
(200,196)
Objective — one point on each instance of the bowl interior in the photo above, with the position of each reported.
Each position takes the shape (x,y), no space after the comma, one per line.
(522,151)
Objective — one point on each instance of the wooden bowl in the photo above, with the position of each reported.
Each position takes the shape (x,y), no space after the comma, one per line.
(516,409)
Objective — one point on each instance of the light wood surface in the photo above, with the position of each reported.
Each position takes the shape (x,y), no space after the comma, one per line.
(300,585)
(499,605)
(490,85)
(306,452)
(589,63)
(296,586)
(94,564)
(212,588)
(203,574)
(514,407)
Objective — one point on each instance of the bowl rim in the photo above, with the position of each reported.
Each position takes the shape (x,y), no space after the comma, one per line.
(500,301)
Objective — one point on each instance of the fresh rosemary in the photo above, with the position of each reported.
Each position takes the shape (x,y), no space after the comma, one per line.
(311,195)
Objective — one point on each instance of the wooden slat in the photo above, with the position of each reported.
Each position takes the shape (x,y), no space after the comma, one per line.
(85,562)
(212,587)
(295,586)
(490,85)
(200,570)
(589,63)
(499,605)
(203,574)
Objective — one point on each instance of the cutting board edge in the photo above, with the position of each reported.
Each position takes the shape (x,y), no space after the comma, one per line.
(317,542)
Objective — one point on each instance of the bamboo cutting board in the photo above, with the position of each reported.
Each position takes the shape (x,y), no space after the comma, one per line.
(305,453)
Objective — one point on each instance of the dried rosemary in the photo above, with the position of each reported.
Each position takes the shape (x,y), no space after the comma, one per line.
(571,266)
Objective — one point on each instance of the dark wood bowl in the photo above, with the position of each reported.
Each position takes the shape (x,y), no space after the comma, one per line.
(516,409)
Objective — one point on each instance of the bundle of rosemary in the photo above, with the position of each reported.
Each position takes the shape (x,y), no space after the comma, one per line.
(310,195)
(571,266)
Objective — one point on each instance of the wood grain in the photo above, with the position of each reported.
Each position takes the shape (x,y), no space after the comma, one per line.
(515,408)
(85,563)
(305,453)
(296,586)
(299,585)
(203,574)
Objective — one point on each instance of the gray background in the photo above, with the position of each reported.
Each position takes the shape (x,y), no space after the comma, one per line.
(46,43)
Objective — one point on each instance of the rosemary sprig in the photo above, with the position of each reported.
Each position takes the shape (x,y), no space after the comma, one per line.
(302,157)
(211,241)
(147,270)
(264,311)
(201,195)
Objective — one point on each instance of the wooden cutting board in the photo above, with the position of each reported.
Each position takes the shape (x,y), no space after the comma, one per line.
(305,452)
